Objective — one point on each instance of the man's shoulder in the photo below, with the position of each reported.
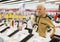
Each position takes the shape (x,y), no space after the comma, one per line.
(48,17)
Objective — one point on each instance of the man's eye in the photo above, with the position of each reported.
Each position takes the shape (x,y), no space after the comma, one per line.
(39,9)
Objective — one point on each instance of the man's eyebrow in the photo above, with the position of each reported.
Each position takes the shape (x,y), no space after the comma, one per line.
(39,8)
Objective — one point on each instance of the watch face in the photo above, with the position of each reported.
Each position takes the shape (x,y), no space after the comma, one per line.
(1,39)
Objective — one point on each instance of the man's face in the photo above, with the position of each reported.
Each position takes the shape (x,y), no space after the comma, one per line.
(41,10)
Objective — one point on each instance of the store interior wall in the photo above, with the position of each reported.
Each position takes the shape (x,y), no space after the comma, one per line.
(32,5)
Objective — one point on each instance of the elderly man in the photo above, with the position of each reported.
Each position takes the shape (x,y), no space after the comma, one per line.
(43,21)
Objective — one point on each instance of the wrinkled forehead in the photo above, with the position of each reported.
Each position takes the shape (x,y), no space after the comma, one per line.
(40,6)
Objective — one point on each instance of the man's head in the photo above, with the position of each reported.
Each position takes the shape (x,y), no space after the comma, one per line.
(41,10)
